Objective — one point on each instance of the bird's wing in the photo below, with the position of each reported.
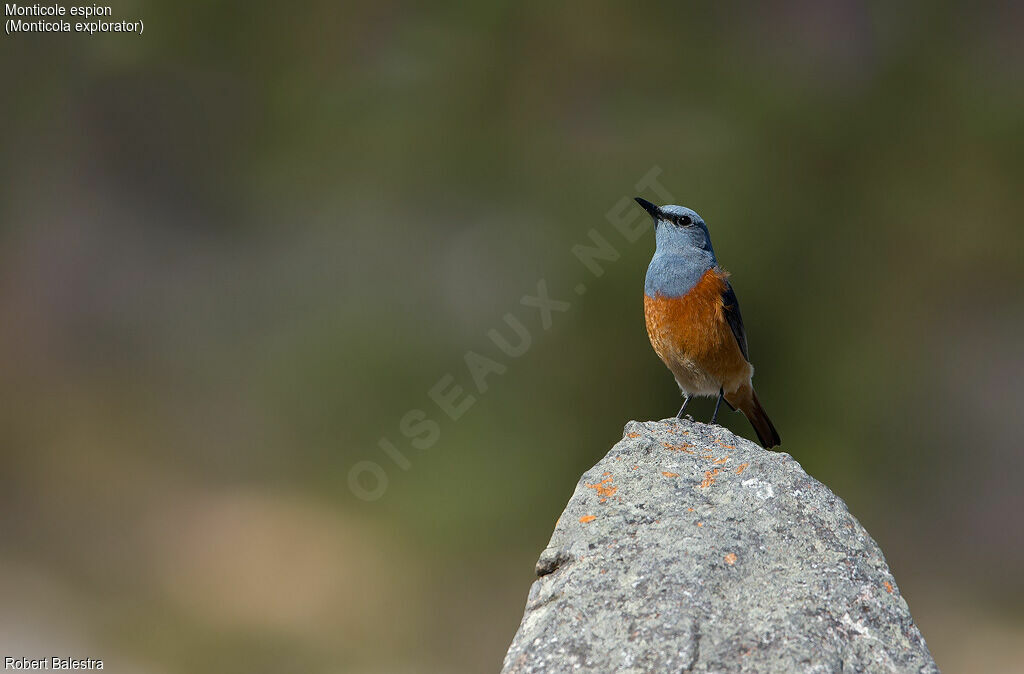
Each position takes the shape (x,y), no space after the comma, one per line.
(732,314)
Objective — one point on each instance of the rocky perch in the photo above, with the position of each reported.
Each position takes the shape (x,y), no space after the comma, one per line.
(689,549)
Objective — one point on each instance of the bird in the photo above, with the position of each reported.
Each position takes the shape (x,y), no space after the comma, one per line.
(693,318)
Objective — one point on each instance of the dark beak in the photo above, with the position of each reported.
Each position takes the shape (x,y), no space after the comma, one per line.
(650,208)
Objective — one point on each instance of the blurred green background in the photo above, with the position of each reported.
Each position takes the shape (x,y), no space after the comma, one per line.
(236,250)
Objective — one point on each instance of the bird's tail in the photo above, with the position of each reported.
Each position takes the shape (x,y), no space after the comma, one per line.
(745,400)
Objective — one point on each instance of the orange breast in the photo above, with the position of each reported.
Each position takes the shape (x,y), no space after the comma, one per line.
(691,332)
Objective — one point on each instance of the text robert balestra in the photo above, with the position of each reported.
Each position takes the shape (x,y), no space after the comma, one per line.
(56,662)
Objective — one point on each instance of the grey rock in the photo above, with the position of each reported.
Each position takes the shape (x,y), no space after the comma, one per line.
(689,549)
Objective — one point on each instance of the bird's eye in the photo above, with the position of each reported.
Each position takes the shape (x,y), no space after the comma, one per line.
(684,221)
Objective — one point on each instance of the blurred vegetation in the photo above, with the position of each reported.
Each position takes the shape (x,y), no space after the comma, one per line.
(236,250)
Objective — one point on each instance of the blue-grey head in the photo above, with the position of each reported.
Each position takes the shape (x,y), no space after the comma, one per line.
(683,249)
(677,227)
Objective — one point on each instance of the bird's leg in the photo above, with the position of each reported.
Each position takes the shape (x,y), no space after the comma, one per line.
(686,401)
(718,403)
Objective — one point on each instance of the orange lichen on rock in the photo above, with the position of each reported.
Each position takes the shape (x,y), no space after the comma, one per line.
(685,447)
(632,435)
(722,460)
(722,444)
(700,524)
(709,477)
(739,469)
(730,559)
(604,488)
(888,586)
(668,474)
(689,510)
(587,518)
